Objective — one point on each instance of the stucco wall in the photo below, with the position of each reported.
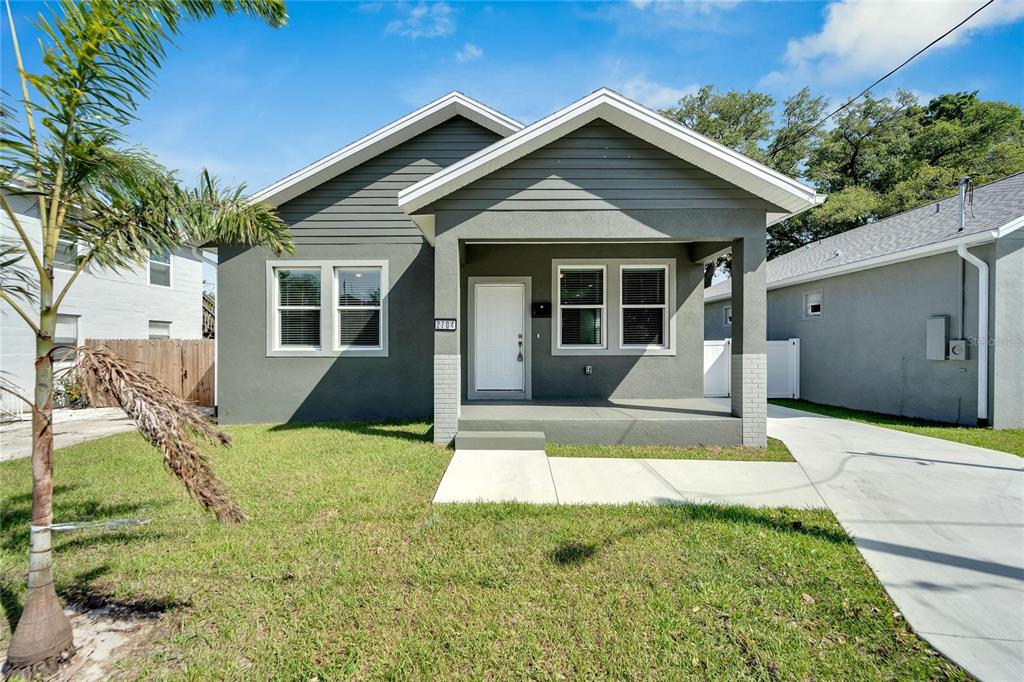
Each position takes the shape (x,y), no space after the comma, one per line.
(255,388)
(1007,386)
(560,376)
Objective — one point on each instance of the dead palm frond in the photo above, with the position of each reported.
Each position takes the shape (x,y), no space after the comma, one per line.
(169,423)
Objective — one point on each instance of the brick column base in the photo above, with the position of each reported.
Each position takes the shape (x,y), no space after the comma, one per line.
(447,386)
(750,386)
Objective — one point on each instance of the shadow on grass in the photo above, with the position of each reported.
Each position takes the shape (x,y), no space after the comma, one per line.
(386,429)
(576,552)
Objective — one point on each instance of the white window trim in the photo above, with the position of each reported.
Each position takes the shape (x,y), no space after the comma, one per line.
(613,297)
(603,307)
(365,351)
(821,302)
(624,306)
(170,270)
(727,316)
(328,304)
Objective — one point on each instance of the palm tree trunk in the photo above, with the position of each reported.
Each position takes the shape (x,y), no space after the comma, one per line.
(43,635)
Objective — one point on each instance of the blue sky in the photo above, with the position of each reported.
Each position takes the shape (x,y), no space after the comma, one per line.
(253,103)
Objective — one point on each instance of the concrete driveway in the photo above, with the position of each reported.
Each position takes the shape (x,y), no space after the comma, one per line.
(940,523)
(70,427)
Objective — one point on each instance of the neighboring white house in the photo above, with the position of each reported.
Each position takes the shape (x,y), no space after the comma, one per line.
(160,300)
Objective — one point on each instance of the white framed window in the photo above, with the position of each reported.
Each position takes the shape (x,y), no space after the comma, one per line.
(728,316)
(160,268)
(66,333)
(327,308)
(813,304)
(358,295)
(66,255)
(643,313)
(159,329)
(297,308)
(582,306)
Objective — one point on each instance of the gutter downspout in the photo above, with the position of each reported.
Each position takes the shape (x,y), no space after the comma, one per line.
(982,266)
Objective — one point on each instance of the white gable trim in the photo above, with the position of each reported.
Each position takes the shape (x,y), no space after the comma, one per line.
(378,142)
(772,186)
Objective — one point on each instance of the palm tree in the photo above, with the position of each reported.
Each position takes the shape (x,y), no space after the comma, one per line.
(118,204)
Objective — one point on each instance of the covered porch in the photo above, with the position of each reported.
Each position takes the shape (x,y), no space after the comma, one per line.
(681,422)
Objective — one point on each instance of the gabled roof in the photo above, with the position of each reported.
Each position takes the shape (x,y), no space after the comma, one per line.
(933,228)
(377,142)
(774,187)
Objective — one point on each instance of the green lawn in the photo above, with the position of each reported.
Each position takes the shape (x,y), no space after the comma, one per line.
(346,570)
(1006,440)
(775,452)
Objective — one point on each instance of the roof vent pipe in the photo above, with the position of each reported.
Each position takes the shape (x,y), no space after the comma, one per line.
(965,187)
(982,342)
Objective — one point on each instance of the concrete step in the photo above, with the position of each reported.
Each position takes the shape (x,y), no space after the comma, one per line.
(499,440)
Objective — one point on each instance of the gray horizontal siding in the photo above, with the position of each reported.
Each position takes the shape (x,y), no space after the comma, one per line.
(599,168)
(361,205)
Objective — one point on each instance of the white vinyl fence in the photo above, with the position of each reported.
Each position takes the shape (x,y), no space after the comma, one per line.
(783,369)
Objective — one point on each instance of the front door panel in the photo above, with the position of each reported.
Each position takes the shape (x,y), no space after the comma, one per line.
(499,362)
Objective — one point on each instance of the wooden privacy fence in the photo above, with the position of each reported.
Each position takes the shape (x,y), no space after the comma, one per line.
(184,365)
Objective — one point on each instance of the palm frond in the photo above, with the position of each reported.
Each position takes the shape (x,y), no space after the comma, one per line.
(15,279)
(168,423)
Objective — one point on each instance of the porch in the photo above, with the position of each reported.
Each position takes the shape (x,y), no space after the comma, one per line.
(679,422)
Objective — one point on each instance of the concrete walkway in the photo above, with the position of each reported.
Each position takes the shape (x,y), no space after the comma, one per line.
(70,427)
(940,523)
(531,476)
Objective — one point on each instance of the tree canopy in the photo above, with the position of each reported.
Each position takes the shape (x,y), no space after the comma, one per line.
(881,155)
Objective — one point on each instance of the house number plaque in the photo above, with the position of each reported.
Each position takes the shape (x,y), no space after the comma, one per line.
(443,324)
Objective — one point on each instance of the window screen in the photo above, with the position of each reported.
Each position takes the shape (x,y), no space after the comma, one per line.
(581,306)
(359,307)
(66,255)
(643,306)
(159,329)
(67,330)
(298,307)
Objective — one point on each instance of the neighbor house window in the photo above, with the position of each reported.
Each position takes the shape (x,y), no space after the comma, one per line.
(359,307)
(812,304)
(160,268)
(159,329)
(728,316)
(644,306)
(581,306)
(66,255)
(66,333)
(298,308)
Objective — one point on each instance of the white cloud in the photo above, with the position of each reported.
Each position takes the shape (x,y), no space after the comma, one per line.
(423,20)
(689,6)
(862,38)
(655,95)
(468,53)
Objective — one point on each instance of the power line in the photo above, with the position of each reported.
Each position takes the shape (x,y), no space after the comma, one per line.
(866,90)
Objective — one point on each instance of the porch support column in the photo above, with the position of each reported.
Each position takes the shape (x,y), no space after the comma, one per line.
(447,359)
(749,334)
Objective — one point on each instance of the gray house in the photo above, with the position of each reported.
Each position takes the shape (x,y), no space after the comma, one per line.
(497,277)
(920,314)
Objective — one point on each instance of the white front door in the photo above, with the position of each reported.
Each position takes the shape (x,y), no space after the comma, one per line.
(499,348)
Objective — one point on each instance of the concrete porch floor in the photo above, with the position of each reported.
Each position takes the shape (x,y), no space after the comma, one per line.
(629,421)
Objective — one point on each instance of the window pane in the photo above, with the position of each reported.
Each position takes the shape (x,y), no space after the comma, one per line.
(581,287)
(358,286)
(581,327)
(643,326)
(359,328)
(300,327)
(160,274)
(66,256)
(67,330)
(643,286)
(159,330)
(160,256)
(298,287)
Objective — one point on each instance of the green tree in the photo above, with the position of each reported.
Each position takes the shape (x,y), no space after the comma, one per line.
(99,60)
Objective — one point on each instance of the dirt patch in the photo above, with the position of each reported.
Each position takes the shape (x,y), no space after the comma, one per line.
(104,637)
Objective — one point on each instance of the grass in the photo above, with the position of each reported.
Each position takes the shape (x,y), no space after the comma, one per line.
(775,452)
(1005,440)
(346,570)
